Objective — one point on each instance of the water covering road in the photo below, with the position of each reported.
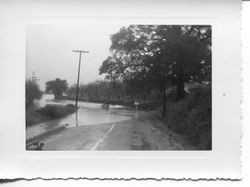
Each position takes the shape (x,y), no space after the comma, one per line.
(95,128)
(88,114)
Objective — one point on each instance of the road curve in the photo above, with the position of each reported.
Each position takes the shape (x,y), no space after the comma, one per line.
(143,132)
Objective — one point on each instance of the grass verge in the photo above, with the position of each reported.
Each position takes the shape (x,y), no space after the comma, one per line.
(48,112)
(191,117)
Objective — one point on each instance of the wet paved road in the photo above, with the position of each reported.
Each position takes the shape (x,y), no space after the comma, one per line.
(115,129)
(88,114)
(130,134)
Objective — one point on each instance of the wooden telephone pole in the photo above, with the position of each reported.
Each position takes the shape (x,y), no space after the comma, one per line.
(34,78)
(78,76)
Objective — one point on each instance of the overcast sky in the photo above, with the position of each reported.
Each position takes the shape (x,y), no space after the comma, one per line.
(50,56)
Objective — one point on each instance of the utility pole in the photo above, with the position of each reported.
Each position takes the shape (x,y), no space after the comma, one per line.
(78,76)
(34,78)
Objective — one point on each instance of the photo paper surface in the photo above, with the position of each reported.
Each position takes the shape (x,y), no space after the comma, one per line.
(114,90)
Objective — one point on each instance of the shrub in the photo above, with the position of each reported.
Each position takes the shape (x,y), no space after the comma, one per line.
(56,111)
(192,117)
(47,113)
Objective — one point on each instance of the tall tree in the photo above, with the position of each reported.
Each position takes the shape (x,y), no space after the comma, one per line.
(32,92)
(162,53)
(187,51)
(113,68)
(57,86)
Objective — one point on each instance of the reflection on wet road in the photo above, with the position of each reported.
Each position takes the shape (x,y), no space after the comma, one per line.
(98,129)
(87,114)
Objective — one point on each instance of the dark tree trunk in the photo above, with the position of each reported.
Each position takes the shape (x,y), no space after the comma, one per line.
(164,103)
(163,91)
(180,88)
(160,92)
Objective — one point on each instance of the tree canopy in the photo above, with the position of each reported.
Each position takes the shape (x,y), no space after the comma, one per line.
(57,86)
(162,54)
(32,92)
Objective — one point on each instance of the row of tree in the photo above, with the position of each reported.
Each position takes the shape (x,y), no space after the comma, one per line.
(57,87)
(104,89)
(160,55)
(101,89)
(148,59)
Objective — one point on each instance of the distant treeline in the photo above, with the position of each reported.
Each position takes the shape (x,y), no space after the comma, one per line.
(153,58)
(114,90)
(147,61)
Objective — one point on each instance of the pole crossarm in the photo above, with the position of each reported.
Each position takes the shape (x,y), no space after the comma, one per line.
(80,51)
(34,78)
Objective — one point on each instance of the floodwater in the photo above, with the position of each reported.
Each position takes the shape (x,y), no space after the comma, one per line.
(87,114)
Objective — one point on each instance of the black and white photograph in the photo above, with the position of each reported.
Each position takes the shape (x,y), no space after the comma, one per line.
(108,91)
(118,87)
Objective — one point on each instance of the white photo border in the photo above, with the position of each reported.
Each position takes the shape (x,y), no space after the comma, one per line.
(223,161)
